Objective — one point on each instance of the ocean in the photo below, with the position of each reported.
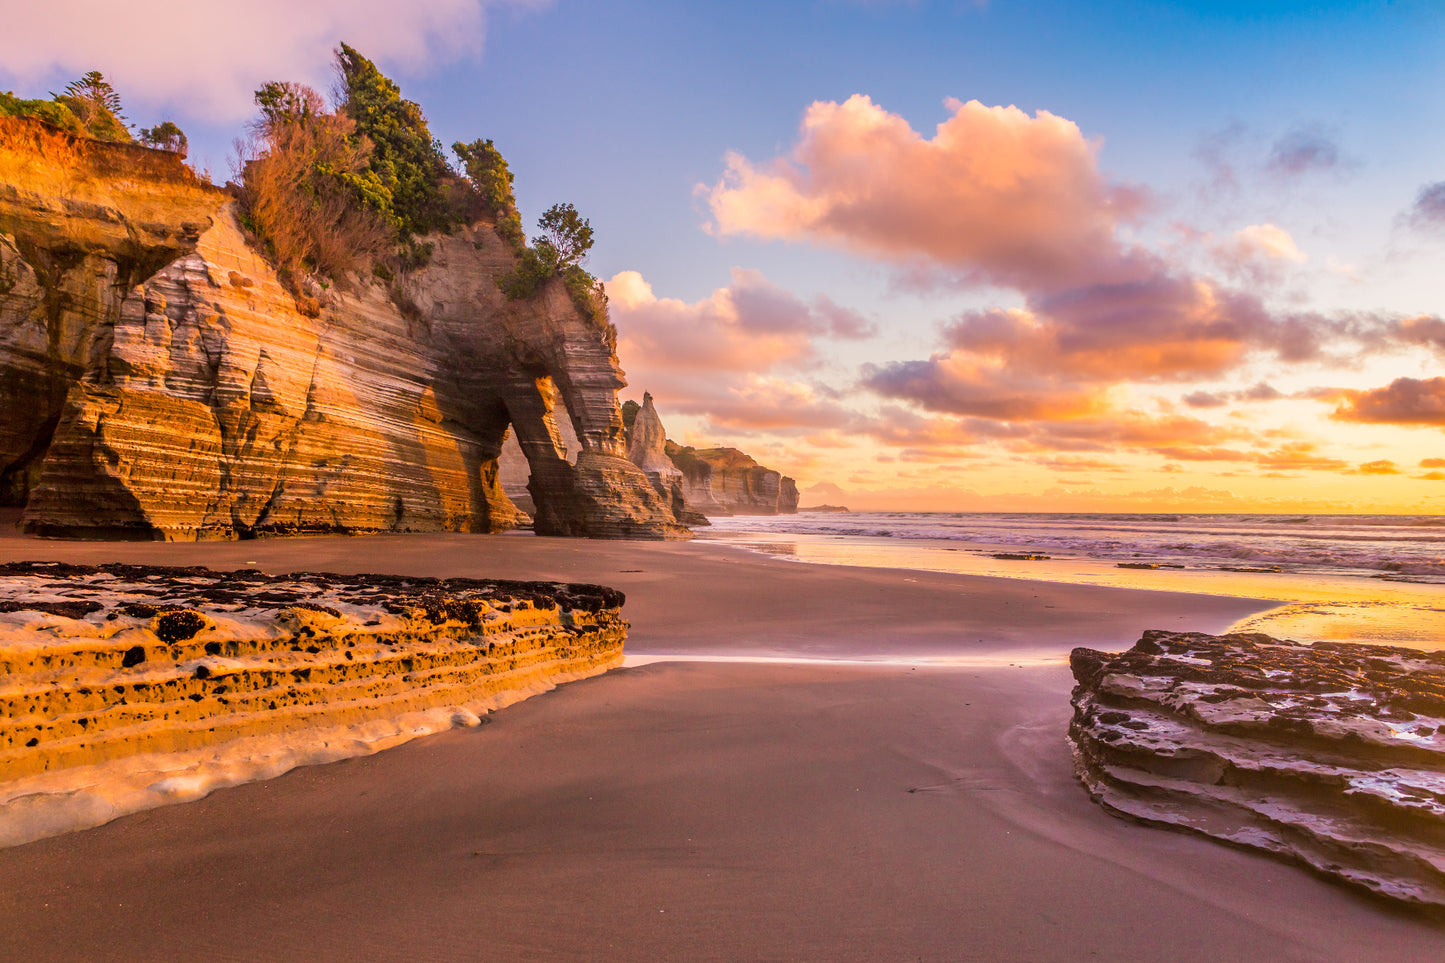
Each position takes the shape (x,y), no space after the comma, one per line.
(1367,578)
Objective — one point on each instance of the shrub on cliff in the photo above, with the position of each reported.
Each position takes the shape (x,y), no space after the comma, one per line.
(566,237)
(307,188)
(404,156)
(49,111)
(165,136)
(96,105)
(564,242)
(491,179)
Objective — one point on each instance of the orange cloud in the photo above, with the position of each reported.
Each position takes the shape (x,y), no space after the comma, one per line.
(1299,455)
(996,193)
(1404,401)
(1067,463)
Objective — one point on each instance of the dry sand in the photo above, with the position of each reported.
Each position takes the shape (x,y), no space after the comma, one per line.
(701,811)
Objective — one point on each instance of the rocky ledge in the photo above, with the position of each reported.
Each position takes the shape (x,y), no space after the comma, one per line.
(1331,755)
(240,675)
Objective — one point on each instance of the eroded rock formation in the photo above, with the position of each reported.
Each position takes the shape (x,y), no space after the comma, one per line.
(725,481)
(160,382)
(647,449)
(1332,755)
(99,666)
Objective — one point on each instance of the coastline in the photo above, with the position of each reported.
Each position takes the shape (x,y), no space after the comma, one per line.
(804,809)
(1310,607)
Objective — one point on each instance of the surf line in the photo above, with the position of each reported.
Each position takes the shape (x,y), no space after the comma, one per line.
(634,660)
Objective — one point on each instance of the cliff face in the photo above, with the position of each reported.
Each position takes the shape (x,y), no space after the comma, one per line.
(159,382)
(725,481)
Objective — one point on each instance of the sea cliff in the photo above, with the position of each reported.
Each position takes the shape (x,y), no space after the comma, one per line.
(726,481)
(161,382)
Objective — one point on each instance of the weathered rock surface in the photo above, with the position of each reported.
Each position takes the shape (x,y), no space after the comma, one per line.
(100,665)
(513,472)
(1332,755)
(159,382)
(725,481)
(647,449)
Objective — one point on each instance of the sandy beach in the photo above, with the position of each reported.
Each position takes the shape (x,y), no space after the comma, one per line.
(695,810)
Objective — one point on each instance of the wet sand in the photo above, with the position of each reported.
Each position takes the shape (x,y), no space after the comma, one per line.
(700,810)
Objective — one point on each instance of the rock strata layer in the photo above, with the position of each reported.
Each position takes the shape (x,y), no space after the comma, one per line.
(160,382)
(1331,755)
(99,665)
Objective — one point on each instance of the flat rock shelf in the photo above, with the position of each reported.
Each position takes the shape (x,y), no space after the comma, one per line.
(1331,755)
(125,686)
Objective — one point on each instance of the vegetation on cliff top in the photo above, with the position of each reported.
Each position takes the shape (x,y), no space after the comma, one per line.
(345,189)
(333,190)
(90,107)
(488,171)
(310,193)
(557,252)
(404,156)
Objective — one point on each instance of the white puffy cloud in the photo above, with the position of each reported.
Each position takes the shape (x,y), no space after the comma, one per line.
(203,59)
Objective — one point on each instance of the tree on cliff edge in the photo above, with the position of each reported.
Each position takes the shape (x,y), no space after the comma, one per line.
(404,155)
(96,105)
(566,237)
(165,136)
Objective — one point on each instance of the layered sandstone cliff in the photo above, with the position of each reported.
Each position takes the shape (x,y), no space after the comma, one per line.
(1331,755)
(160,382)
(726,481)
(117,681)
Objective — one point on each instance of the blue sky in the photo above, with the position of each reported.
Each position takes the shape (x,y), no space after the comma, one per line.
(1242,125)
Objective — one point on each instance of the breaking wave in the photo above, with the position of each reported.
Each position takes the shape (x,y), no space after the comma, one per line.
(1383,546)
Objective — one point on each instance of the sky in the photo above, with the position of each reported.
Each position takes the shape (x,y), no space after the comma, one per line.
(963,255)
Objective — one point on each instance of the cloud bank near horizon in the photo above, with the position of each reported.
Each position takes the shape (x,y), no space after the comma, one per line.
(1000,199)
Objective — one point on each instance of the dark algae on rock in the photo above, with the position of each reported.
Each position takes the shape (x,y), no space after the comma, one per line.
(1331,755)
(101,663)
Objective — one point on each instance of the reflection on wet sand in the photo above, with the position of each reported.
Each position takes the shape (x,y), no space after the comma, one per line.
(1313,607)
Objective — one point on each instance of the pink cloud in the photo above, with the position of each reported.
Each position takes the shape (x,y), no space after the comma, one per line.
(1427,214)
(1304,150)
(996,193)
(733,357)
(750,325)
(1002,197)
(205,60)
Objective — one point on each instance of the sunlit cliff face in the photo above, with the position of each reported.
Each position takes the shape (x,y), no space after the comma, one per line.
(1088,351)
